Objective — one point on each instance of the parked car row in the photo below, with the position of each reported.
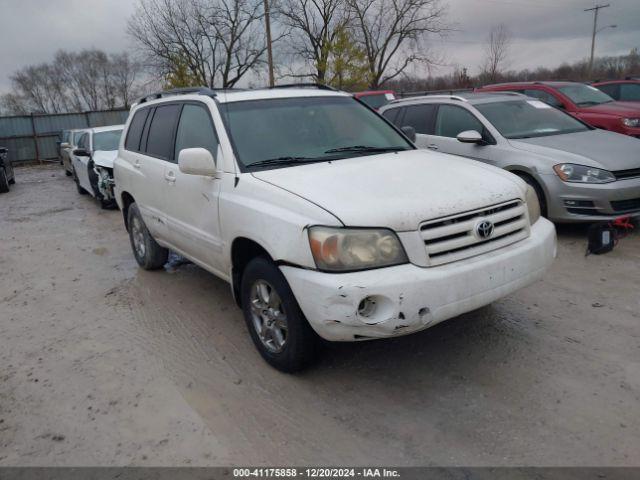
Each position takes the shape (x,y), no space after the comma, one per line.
(88,156)
(331,220)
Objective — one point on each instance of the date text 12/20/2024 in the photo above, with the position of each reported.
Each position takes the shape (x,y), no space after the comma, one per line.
(369,472)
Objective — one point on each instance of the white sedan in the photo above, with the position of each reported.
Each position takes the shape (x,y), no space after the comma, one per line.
(92,162)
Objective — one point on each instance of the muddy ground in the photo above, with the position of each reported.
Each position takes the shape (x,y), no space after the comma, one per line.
(105,364)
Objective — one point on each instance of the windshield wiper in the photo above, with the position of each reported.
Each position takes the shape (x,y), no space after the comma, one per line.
(286,161)
(365,148)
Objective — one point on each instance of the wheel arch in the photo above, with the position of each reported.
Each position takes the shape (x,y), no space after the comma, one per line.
(127,200)
(243,250)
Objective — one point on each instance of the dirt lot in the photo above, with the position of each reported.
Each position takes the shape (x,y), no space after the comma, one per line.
(104,364)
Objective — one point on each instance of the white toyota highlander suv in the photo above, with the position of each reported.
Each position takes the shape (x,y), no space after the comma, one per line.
(324,218)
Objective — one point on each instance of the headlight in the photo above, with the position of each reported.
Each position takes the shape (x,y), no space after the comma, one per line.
(533,204)
(569,172)
(346,249)
(631,122)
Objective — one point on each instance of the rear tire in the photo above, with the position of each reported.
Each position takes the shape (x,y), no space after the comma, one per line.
(68,173)
(275,321)
(4,183)
(148,253)
(542,201)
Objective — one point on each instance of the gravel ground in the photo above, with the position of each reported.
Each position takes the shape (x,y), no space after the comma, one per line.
(105,364)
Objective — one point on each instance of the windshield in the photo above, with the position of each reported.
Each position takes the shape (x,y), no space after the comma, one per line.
(530,118)
(293,130)
(378,100)
(585,95)
(107,141)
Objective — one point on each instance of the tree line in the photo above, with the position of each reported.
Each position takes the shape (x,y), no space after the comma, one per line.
(348,44)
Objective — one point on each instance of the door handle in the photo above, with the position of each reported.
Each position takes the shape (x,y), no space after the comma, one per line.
(170,176)
(136,163)
(432,146)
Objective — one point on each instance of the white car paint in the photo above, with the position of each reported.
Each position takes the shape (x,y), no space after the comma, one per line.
(200,217)
(102,165)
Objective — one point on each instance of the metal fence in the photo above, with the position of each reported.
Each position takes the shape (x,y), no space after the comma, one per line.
(32,138)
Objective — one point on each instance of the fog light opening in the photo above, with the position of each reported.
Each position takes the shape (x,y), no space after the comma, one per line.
(367,307)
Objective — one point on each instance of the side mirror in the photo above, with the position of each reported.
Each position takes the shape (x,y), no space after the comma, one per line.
(409,132)
(81,152)
(196,161)
(471,136)
(64,145)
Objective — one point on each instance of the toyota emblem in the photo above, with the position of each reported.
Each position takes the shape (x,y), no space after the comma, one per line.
(484,229)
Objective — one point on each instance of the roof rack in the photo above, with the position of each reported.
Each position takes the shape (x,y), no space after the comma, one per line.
(210,92)
(424,97)
(319,86)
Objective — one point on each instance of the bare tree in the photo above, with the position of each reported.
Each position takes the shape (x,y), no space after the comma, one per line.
(314,28)
(73,81)
(496,52)
(199,41)
(393,34)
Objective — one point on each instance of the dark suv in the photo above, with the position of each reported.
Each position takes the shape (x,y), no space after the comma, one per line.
(582,101)
(7,177)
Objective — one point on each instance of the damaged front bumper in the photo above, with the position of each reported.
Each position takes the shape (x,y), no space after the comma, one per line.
(399,300)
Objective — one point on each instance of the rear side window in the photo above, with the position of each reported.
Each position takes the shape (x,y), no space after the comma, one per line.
(391,114)
(611,90)
(195,130)
(420,117)
(161,131)
(630,92)
(452,120)
(134,134)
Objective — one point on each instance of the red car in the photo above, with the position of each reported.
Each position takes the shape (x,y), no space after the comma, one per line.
(623,90)
(584,102)
(376,98)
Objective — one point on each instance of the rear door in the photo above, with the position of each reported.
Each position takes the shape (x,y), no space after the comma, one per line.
(190,202)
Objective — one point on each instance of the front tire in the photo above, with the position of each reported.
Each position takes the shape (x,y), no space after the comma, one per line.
(276,324)
(542,201)
(80,190)
(4,183)
(148,253)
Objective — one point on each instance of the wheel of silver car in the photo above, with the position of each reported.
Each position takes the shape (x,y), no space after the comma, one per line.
(276,324)
(268,315)
(542,201)
(149,254)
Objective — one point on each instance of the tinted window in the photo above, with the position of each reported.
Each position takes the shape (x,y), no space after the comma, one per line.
(544,96)
(107,141)
(630,92)
(420,117)
(135,130)
(610,89)
(161,131)
(196,130)
(391,114)
(527,119)
(452,120)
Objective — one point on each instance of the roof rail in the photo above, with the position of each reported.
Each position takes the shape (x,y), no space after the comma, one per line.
(177,91)
(319,86)
(424,97)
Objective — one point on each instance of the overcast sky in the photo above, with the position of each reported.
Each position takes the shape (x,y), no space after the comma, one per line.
(545,32)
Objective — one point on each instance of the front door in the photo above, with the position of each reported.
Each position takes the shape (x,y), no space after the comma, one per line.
(190,202)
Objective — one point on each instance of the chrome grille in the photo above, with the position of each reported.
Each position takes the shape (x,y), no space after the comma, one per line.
(454,238)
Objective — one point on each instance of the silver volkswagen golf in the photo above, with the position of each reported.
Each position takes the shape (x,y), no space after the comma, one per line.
(580,174)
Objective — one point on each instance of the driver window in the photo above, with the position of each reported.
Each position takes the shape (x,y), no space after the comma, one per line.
(452,120)
(196,130)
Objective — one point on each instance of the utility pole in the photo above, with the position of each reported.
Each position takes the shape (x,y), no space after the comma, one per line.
(267,19)
(595,11)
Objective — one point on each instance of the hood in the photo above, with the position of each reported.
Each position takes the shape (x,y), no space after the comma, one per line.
(620,109)
(104,158)
(397,190)
(594,148)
